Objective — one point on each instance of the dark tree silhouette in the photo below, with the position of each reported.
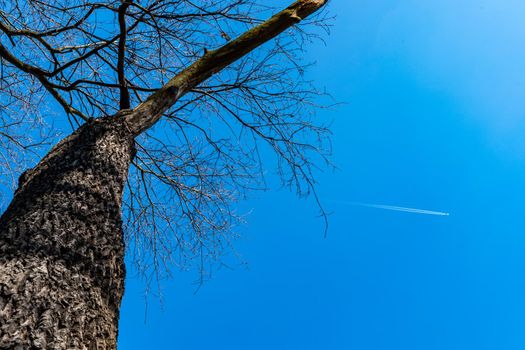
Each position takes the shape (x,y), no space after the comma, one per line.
(163,102)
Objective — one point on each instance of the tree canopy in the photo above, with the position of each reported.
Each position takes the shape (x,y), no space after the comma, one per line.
(78,60)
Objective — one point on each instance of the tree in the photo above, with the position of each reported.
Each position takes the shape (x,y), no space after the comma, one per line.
(136,64)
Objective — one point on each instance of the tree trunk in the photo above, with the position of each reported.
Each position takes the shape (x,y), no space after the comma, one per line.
(61,246)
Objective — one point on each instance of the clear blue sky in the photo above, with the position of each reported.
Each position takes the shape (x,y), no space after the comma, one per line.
(435,119)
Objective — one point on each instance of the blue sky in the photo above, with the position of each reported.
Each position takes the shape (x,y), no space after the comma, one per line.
(434,119)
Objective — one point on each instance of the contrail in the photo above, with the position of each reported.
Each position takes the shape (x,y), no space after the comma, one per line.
(395,208)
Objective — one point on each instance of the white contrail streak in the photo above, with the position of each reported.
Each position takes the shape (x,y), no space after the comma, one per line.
(395,208)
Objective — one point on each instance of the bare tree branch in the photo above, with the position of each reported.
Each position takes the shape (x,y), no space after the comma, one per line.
(152,109)
(124,92)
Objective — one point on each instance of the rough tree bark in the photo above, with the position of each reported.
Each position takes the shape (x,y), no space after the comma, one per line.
(61,249)
(61,244)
